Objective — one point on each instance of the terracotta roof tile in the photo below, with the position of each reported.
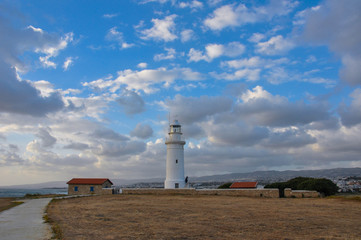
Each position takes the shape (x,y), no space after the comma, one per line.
(244,185)
(94,181)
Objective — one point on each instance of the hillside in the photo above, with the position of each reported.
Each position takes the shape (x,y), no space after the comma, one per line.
(261,176)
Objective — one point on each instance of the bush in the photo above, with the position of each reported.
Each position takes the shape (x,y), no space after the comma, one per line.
(225,185)
(322,185)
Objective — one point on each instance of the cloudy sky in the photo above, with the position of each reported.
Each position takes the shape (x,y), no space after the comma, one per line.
(87,87)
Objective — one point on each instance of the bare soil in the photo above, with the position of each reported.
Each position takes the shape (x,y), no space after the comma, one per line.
(6,203)
(205,217)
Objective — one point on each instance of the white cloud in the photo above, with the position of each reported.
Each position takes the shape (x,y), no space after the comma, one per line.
(274,46)
(256,37)
(222,17)
(196,55)
(259,93)
(144,80)
(245,63)
(187,35)
(170,55)
(69,61)
(53,51)
(233,15)
(213,51)
(142,65)
(248,74)
(162,30)
(114,35)
(110,15)
(193,4)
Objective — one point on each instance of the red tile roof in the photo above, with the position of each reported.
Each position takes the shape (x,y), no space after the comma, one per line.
(89,181)
(244,185)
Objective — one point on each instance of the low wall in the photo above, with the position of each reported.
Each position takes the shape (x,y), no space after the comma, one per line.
(107,191)
(267,193)
(159,191)
(289,193)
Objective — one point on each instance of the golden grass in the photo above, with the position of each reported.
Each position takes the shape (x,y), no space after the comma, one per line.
(6,203)
(205,217)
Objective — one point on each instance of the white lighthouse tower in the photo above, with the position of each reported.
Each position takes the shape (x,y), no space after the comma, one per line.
(175,157)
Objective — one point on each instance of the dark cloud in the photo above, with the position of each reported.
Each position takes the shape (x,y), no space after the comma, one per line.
(143,131)
(331,123)
(131,102)
(105,133)
(265,112)
(117,149)
(292,138)
(236,134)
(337,24)
(9,156)
(46,139)
(193,131)
(235,89)
(77,146)
(351,115)
(192,109)
(21,97)
(18,96)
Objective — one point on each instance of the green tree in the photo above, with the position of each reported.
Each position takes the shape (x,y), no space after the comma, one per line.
(322,185)
(225,185)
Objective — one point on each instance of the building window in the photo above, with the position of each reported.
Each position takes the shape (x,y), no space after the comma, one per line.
(92,189)
(176,161)
(75,188)
(176,185)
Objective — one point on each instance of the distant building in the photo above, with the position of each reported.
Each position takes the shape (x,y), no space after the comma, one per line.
(244,185)
(82,186)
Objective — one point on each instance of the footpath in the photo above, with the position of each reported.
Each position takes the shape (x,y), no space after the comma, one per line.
(25,222)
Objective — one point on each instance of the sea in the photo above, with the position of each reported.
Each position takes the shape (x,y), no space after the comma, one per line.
(13,192)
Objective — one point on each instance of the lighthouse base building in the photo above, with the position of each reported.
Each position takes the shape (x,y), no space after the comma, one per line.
(175,158)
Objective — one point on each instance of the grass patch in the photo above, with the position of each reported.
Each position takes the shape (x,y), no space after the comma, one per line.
(346,197)
(38,195)
(55,228)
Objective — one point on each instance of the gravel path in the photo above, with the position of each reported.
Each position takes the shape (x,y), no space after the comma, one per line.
(25,222)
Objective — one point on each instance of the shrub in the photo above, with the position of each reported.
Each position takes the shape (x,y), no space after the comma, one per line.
(225,185)
(322,185)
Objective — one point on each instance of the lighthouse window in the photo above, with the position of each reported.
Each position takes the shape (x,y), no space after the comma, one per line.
(176,161)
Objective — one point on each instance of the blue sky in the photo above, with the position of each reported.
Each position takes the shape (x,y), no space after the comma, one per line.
(86,87)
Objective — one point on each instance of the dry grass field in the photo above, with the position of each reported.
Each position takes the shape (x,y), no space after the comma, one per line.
(205,217)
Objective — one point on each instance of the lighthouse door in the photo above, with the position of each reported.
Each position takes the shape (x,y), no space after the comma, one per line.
(176,185)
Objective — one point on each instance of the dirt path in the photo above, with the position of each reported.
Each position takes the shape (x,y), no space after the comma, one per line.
(25,222)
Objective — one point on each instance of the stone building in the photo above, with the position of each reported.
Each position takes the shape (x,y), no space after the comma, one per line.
(82,186)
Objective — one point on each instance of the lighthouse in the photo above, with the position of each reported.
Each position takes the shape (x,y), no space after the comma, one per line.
(175,157)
